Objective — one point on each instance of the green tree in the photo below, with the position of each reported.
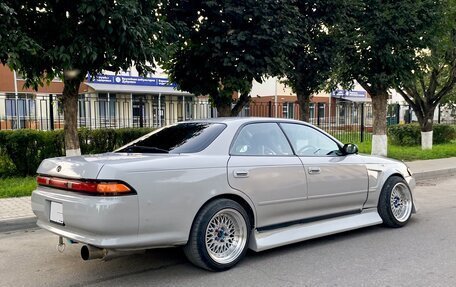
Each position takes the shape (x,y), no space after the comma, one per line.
(9,32)
(225,45)
(8,20)
(435,78)
(311,60)
(69,39)
(449,102)
(377,46)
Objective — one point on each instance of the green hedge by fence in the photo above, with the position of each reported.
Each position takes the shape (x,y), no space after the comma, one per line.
(410,134)
(22,151)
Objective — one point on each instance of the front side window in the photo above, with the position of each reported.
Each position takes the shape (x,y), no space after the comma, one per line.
(179,138)
(307,141)
(261,139)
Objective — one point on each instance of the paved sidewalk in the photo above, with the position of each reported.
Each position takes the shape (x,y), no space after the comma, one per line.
(15,208)
(424,169)
(19,208)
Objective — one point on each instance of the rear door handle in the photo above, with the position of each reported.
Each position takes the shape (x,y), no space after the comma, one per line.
(241,173)
(314,170)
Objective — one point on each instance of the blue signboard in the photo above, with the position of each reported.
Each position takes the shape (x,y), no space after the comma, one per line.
(345,93)
(129,80)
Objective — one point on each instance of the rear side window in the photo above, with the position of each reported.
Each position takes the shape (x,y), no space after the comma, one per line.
(261,139)
(180,138)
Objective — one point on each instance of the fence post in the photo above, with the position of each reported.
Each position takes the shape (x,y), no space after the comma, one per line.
(361,127)
(270,109)
(439,114)
(141,116)
(51,113)
(397,110)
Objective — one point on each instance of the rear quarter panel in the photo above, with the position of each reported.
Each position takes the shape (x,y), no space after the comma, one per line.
(171,192)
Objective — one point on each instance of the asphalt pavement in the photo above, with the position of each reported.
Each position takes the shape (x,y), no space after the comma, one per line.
(422,253)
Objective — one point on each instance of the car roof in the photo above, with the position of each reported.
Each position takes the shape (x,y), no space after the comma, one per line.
(239,121)
(242,120)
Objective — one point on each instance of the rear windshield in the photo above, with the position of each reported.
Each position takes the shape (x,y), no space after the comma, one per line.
(180,138)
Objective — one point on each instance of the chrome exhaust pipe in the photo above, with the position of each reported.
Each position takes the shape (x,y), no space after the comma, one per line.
(89,252)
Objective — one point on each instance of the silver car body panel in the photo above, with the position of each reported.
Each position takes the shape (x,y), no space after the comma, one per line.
(111,222)
(277,187)
(172,188)
(166,184)
(260,241)
(339,186)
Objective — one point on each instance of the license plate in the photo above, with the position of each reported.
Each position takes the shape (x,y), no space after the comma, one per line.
(56,214)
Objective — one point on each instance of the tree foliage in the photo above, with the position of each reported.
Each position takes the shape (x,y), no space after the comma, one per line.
(377,45)
(224,45)
(312,59)
(435,77)
(69,39)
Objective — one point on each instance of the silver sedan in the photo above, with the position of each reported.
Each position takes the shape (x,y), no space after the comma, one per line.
(218,187)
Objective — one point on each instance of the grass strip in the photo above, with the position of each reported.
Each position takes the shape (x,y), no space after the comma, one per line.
(17,186)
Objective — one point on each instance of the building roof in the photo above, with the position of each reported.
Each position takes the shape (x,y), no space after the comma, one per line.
(136,89)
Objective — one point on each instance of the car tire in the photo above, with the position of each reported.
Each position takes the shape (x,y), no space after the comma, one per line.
(219,236)
(395,203)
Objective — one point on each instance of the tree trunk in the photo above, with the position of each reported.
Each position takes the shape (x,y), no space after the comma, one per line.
(224,107)
(70,109)
(426,125)
(304,106)
(379,137)
(243,100)
(223,110)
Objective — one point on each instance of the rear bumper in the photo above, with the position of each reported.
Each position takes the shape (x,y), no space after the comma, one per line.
(106,222)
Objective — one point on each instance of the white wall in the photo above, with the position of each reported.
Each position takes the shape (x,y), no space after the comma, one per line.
(270,87)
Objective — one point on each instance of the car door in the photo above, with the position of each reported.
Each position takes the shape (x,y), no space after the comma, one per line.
(263,166)
(337,184)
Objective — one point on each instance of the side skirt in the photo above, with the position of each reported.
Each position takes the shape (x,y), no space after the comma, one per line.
(264,240)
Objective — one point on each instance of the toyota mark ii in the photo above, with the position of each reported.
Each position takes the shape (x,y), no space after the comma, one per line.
(217,188)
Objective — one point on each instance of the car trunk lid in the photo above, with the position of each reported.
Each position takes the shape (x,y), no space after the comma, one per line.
(84,167)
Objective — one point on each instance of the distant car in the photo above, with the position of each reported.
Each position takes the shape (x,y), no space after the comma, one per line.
(218,187)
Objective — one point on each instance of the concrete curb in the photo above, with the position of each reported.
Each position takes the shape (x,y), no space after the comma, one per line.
(17,224)
(434,173)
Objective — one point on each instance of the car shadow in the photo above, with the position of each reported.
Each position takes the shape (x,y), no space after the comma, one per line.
(161,263)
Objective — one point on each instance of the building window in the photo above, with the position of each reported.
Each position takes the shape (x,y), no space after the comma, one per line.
(321,110)
(25,105)
(311,111)
(106,105)
(288,110)
(10,103)
(188,108)
(81,106)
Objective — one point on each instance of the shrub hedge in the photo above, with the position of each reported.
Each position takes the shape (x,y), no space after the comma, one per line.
(410,134)
(22,151)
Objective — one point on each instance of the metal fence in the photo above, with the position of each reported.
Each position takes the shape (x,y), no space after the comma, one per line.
(102,111)
(348,121)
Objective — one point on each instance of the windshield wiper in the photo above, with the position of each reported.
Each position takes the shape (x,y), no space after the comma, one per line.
(141,148)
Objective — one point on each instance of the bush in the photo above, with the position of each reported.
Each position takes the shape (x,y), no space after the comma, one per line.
(444,133)
(410,134)
(22,151)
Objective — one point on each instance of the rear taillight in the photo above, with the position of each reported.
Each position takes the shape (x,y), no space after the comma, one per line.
(88,186)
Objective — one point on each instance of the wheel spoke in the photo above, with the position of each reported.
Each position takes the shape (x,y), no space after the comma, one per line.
(400,202)
(226,236)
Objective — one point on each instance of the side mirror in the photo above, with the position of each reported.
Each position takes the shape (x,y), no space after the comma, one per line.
(350,149)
